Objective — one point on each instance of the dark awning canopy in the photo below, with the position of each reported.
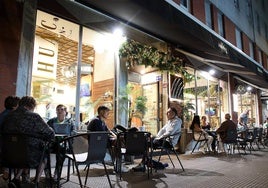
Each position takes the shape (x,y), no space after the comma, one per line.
(166,21)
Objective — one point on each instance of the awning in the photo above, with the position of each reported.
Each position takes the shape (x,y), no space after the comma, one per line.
(168,22)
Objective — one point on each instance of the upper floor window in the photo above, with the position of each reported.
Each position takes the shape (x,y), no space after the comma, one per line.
(258,23)
(221,24)
(186,4)
(249,10)
(238,37)
(251,50)
(266,32)
(236,4)
(260,56)
(208,13)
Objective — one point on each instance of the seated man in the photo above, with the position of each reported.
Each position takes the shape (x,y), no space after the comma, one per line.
(60,151)
(228,124)
(173,126)
(98,124)
(24,120)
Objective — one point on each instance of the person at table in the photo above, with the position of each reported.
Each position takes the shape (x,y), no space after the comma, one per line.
(61,118)
(25,120)
(241,126)
(227,125)
(172,127)
(201,134)
(206,126)
(11,103)
(98,123)
(244,117)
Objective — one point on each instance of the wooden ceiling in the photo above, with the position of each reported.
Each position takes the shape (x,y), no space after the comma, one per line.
(67,54)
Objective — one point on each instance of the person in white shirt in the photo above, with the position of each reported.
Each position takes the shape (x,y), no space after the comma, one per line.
(172,127)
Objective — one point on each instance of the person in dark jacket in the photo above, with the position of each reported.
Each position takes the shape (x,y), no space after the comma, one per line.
(11,103)
(227,125)
(25,120)
(98,123)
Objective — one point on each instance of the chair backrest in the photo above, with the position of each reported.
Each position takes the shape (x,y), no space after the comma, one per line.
(62,128)
(136,143)
(231,136)
(97,146)
(17,151)
(260,134)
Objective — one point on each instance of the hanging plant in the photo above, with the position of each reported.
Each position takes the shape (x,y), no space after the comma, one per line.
(139,54)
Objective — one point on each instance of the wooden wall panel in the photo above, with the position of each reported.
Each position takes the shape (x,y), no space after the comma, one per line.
(98,91)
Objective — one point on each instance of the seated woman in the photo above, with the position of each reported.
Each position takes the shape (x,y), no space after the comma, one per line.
(25,121)
(200,133)
(206,126)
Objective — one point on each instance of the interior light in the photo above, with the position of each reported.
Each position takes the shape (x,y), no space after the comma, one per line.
(211,71)
(118,32)
(249,88)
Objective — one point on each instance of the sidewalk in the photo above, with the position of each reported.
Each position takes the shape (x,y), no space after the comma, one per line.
(201,171)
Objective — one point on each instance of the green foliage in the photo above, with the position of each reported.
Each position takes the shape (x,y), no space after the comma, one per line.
(140,104)
(139,54)
(187,108)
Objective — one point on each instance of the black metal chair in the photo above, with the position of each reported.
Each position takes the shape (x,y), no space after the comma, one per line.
(230,141)
(251,139)
(17,149)
(242,141)
(259,138)
(168,147)
(95,152)
(199,140)
(133,143)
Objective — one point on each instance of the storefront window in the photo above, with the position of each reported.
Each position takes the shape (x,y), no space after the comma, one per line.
(57,73)
(245,99)
(209,97)
(54,64)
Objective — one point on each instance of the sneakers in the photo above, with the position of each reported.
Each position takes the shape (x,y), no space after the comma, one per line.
(165,165)
(139,168)
(124,168)
(203,150)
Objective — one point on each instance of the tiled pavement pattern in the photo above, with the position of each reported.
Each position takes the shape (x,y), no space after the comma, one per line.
(201,171)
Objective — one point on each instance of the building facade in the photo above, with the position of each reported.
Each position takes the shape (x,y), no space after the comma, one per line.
(64,51)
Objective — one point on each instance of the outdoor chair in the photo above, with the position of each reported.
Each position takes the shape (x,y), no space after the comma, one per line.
(17,149)
(94,150)
(230,141)
(252,136)
(168,148)
(259,138)
(132,143)
(242,140)
(199,140)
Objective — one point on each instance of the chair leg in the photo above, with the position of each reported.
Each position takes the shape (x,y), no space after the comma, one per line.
(170,159)
(107,174)
(78,174)
(178,159)
(87,169)
(195,146)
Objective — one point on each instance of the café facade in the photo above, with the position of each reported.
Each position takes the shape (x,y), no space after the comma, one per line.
(75,57)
